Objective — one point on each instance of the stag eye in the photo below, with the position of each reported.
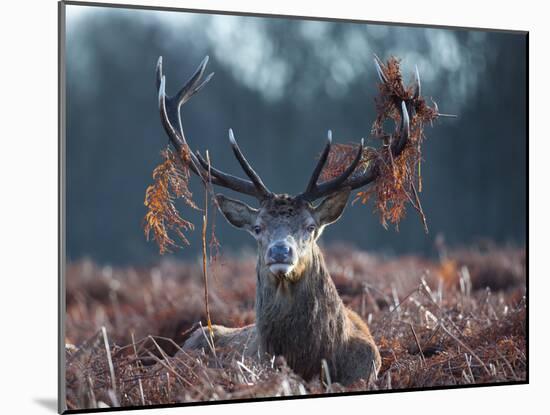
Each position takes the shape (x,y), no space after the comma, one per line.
(311,228)
(257,229)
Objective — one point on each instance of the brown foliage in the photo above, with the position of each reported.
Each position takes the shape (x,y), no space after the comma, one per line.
(341,156)
(469,319)
(399,179)
(171,182)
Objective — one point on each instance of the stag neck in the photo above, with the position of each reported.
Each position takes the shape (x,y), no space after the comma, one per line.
(296,290)
(309,310)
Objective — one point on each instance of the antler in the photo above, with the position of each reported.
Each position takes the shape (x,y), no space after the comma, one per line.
(171,121)
(316,190)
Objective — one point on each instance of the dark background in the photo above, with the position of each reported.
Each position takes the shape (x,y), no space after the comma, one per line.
(280,84)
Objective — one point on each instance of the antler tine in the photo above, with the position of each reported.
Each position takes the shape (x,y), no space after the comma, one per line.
(262,189)
(193,85)
(381,75)
(371,174)
(330,186)
(417,90)
(404,130)
(320,164)
(227,180)
(171,121)
(166,113)
(170,106)
(158,73)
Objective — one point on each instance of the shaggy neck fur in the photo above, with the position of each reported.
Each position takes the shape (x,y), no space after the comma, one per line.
(302,317)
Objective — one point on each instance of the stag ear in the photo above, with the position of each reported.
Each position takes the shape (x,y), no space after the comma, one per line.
(237,213)
(332,207)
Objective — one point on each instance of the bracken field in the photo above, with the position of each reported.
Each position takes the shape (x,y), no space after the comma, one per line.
(456,320)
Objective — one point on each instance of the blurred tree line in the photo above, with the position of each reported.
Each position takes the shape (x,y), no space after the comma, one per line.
(281,84)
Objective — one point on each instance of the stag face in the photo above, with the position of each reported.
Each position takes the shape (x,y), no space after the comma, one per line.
(285,228)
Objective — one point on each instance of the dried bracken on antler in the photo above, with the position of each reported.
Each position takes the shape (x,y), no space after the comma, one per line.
(399,178)
(341,156)
(171,182)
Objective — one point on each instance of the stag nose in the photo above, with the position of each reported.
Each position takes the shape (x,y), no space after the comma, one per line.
(280,253)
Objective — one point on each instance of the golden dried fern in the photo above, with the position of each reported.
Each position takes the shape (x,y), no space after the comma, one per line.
(170,182)
(399,179)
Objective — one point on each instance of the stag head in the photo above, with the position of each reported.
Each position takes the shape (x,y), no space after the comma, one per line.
(285,227)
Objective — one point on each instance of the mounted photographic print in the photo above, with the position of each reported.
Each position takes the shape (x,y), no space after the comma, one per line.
(260,207)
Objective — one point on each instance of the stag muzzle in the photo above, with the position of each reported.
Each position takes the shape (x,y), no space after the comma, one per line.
(280,258)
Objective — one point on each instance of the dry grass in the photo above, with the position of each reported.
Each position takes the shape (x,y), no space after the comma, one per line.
(456,321)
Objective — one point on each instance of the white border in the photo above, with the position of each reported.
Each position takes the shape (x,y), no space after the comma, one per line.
(29,202)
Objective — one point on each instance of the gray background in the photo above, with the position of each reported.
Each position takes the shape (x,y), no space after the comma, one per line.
(280,84)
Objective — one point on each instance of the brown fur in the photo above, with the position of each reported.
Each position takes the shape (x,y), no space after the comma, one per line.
(305,321)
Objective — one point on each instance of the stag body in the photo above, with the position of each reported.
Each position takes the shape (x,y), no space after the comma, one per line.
(299,313)
(302,318)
